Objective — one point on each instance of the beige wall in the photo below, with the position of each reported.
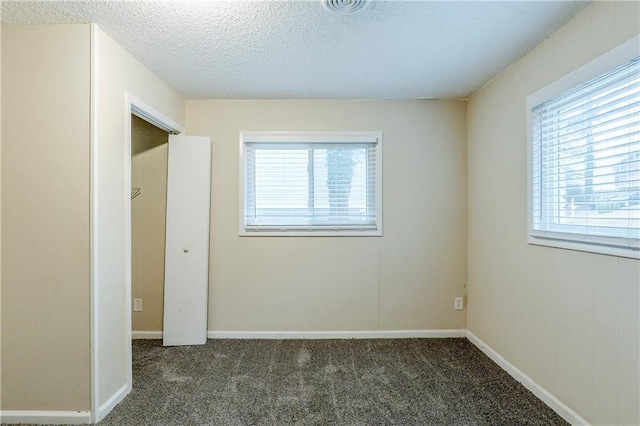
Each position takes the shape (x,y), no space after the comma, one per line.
(149,146)
(45,218)
(118,73)
(567,319)
(406,279)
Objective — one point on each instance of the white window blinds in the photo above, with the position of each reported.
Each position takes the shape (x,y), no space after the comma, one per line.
(586,161)
(306,182)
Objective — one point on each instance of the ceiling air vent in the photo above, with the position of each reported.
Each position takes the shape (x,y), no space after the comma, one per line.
(344,7)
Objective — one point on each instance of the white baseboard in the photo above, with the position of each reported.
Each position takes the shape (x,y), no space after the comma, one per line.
(544,395)
(46,417)
(112,402)
(146,334)
(374,334)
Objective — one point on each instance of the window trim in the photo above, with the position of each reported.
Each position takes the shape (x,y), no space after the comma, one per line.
(593,69)
(285,137)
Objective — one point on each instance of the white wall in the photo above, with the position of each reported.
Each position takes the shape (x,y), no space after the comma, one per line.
(118,73)
(567,319)
(406,279)
(45,218)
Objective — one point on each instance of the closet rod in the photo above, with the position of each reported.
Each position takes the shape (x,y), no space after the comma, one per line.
(135,192)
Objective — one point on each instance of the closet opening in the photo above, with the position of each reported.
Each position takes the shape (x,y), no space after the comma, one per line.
(149,165)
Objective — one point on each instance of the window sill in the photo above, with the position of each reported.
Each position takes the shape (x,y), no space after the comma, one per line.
(586,247)
(300,233)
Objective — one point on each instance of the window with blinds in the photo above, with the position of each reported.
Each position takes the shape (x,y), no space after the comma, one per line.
(585,162)
(297,183)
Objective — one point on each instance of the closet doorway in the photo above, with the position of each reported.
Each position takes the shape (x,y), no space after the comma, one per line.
(168,230)
(149,165)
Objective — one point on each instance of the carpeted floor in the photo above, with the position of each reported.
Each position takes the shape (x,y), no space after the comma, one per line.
(324,382)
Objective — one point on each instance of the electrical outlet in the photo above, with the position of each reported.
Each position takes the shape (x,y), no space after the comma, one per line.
(137,305)
(458,304)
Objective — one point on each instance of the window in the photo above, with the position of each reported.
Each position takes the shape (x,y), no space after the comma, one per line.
(302,183)
(584,165)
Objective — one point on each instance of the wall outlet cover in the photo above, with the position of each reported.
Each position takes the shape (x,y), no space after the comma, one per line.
(458,303)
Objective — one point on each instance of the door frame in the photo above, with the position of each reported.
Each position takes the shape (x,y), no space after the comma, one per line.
(135,106)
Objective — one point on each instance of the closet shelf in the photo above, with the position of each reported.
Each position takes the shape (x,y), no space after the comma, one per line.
(135,192)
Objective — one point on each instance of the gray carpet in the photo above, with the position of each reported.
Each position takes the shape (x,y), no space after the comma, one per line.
(324,382)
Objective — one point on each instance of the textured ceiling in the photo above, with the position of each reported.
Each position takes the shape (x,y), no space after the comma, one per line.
(298,49)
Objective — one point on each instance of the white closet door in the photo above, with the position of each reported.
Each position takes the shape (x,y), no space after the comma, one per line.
(186,280)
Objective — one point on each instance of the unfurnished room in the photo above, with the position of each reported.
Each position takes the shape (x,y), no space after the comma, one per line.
(320,212)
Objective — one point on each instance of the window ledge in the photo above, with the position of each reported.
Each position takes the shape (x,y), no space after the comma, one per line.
(586,247)
(298,233)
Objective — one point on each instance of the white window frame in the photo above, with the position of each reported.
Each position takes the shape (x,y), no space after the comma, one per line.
(599,66)
(285,137)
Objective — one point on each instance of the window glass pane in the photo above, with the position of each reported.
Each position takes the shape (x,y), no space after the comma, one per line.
(340,184)
(281,183)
